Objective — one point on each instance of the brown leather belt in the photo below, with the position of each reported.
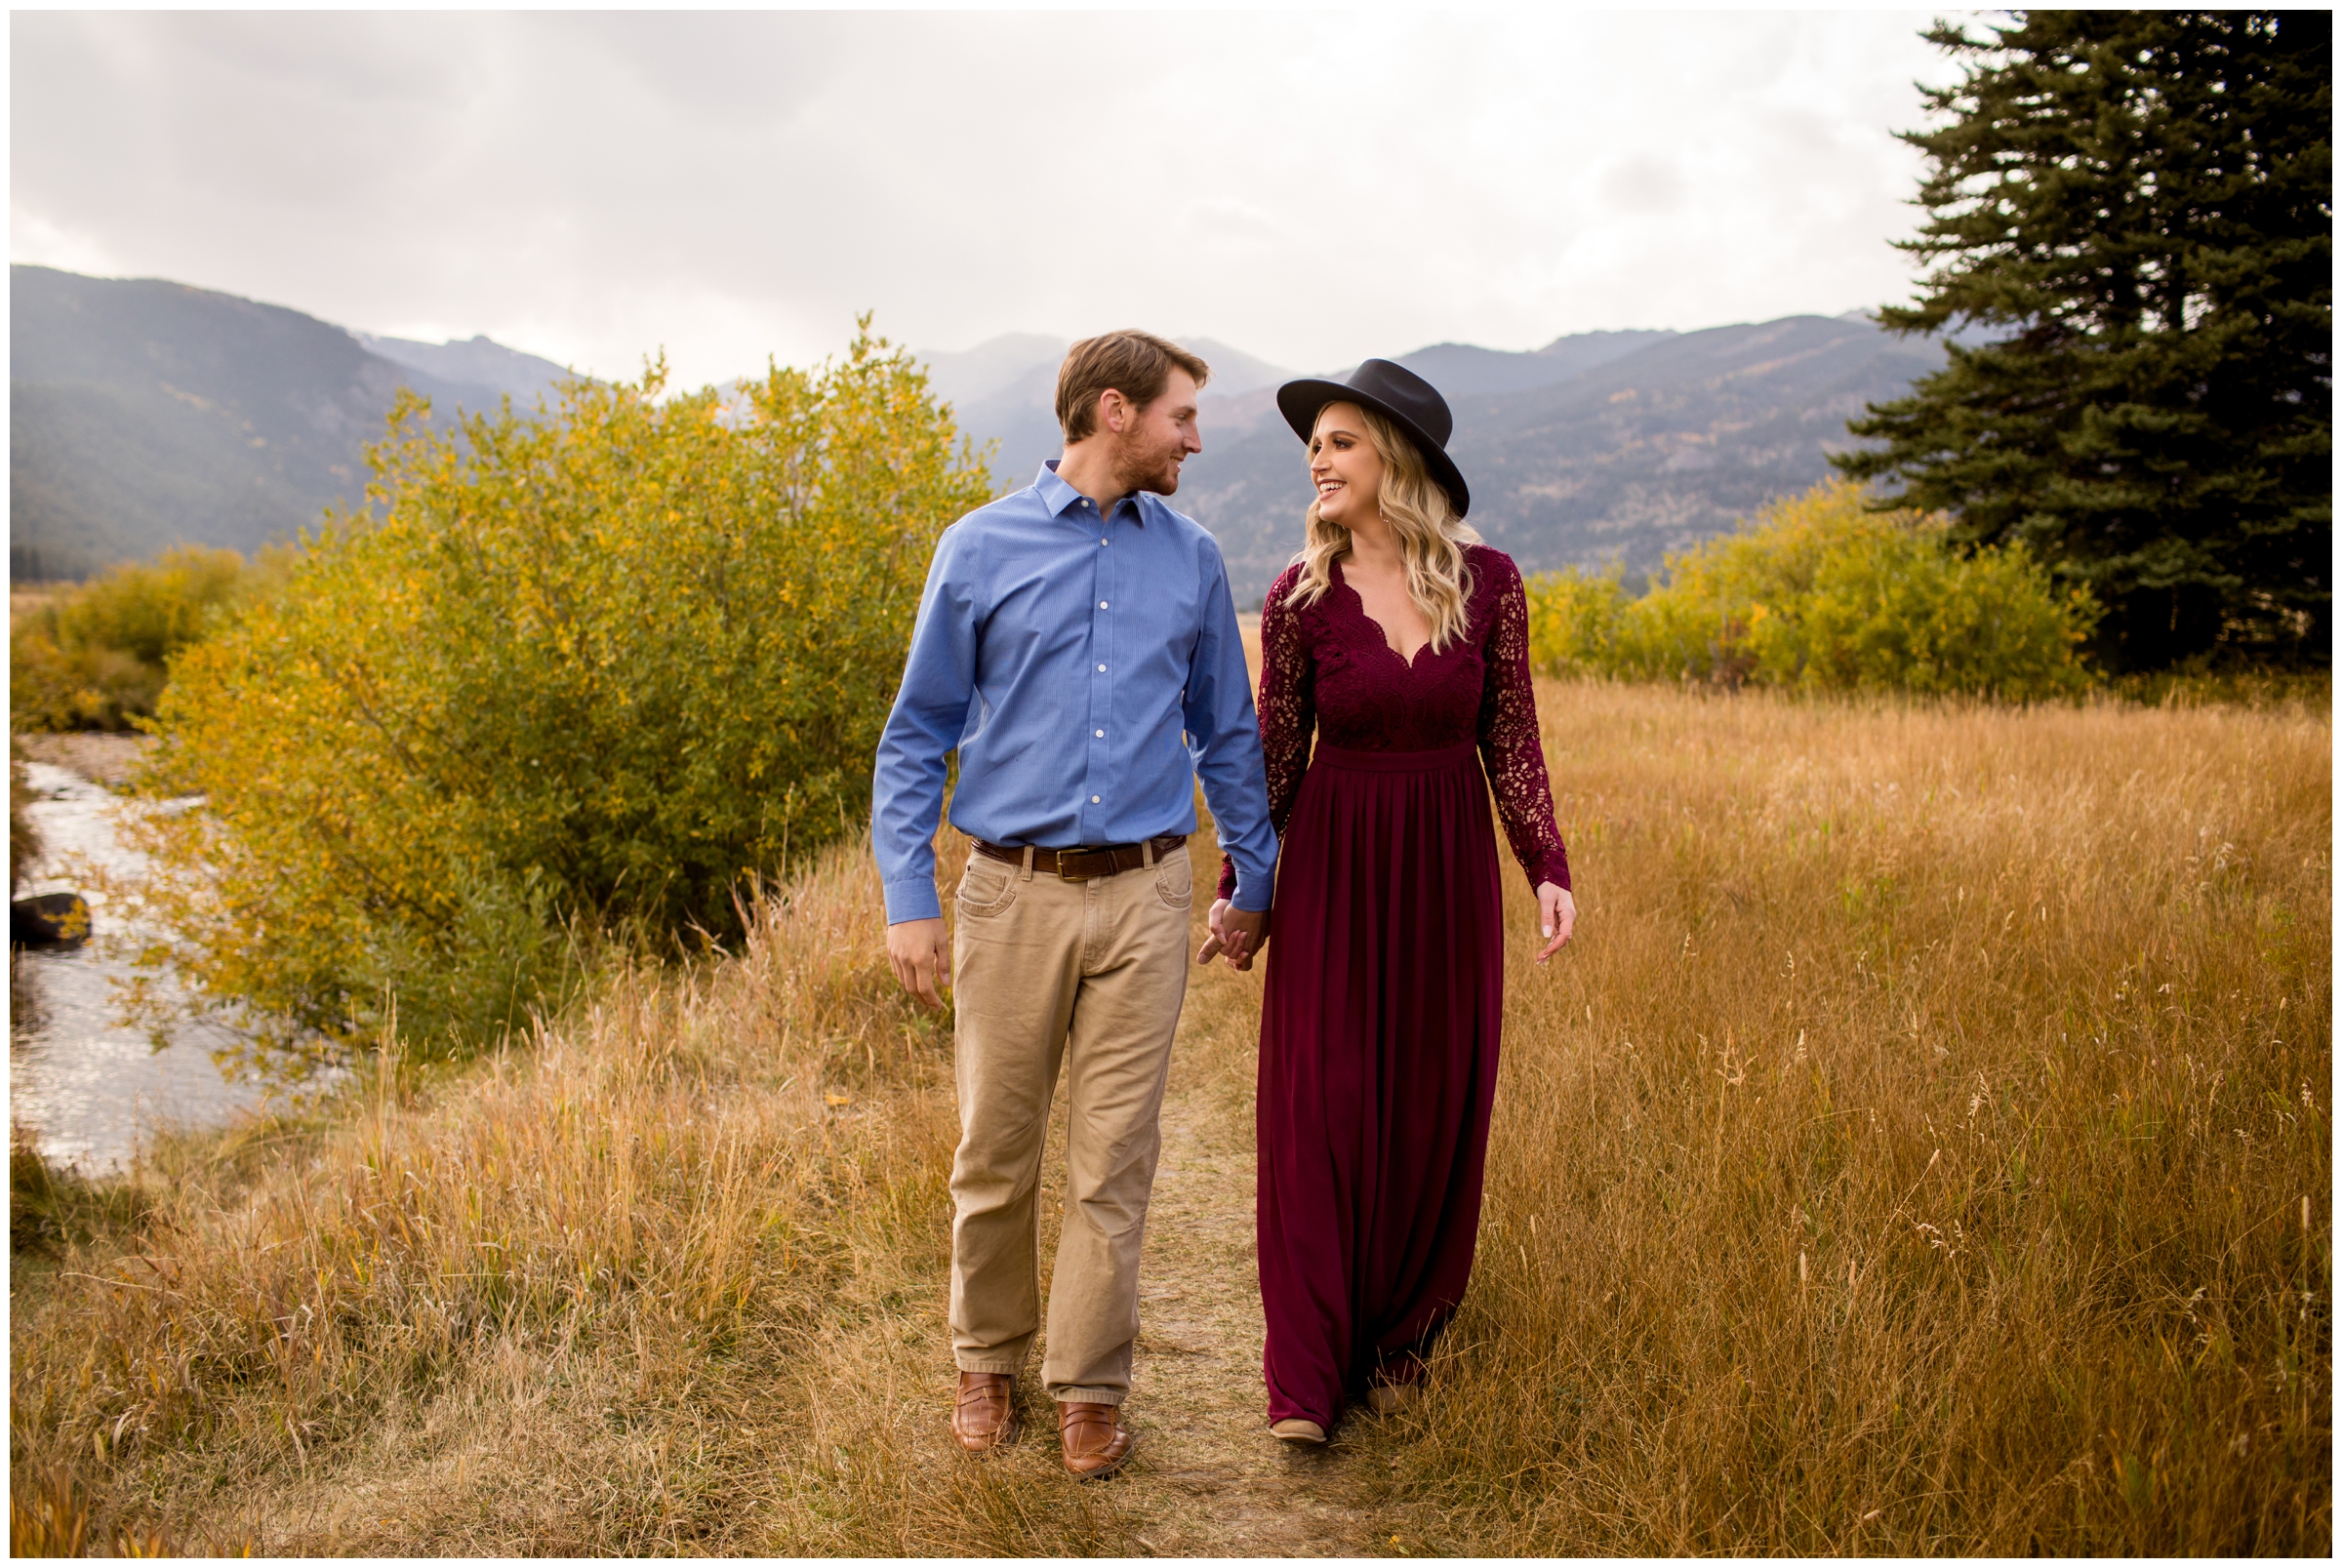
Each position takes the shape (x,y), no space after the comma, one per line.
(1083,864)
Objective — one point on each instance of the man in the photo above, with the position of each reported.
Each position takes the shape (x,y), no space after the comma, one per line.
(1077,646)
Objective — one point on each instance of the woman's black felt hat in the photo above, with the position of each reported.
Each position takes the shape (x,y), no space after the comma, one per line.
(1398,395)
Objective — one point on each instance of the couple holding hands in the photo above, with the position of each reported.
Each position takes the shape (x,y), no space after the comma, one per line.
(1077,646)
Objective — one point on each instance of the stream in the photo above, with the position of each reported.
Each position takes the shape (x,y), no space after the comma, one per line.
(85,1086)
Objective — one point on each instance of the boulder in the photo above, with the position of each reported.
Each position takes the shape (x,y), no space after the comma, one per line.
(49,920)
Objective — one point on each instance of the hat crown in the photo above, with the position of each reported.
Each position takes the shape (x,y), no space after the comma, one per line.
(1407,392)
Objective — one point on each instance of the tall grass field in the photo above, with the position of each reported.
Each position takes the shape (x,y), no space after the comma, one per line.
(1924,1147)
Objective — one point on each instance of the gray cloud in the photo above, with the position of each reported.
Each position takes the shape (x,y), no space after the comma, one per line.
(1311,187)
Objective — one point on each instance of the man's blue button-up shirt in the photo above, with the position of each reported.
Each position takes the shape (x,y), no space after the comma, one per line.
(1087,670)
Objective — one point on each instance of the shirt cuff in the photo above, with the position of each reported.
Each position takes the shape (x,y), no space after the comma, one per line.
(913,898)
(1252,892)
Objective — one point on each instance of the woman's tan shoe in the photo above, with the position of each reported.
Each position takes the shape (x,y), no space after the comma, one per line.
(1385,1397)
(1293,1430)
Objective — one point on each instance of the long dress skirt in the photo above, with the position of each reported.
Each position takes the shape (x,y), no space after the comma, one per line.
(1379,1022)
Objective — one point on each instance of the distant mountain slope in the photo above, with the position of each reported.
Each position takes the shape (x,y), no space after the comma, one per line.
(1233,371)
(1461,369)
(1004,389)
(1600,445)
(1020,413)
(145,413)
(1649,452)
(964,376)
(475,362)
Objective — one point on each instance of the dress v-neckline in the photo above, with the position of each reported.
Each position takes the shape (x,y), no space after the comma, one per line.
(1381,633)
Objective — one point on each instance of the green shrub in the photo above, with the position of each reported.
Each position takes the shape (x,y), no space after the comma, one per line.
(608,663)
(1821,594)
(94,654)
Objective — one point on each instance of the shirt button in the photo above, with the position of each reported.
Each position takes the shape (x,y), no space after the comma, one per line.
(1103,542)
(1093,800)
(1101,734)
(1100,670)
(1101,604)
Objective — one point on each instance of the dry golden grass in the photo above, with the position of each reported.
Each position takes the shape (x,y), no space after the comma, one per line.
(1909,1155)
(1925,1148)
(662,1281)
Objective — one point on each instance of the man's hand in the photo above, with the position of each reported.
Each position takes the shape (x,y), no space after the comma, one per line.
(1240,934)
(921,957)
(1557,916)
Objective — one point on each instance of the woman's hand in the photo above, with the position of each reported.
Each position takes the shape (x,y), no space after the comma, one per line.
(1557,916)
(1217,942)
(1235,933)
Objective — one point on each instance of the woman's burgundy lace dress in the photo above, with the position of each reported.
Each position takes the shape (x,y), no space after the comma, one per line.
(1385,985)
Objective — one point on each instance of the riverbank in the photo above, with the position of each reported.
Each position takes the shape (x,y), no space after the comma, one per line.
(86,1087)
(101,756)
(1924,1149)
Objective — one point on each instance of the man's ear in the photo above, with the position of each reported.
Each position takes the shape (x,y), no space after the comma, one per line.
(1113,411)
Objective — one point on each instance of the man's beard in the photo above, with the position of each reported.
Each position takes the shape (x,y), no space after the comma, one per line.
(1156,473)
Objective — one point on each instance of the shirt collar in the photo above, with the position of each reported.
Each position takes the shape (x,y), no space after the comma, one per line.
(1060,498)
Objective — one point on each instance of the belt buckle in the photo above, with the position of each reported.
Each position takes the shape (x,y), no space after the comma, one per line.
(1064,875)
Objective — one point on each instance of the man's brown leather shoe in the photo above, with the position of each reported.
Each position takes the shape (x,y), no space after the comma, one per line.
(1094,1440)
(985,1417)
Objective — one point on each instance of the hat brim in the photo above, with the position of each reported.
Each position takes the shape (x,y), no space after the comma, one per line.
(1301,401)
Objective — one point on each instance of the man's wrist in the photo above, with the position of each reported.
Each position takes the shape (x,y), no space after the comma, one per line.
(1252,892)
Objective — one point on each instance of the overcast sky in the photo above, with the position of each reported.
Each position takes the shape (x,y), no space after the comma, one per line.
(1310,188)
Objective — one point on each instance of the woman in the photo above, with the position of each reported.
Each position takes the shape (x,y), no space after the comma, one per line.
(1404,643)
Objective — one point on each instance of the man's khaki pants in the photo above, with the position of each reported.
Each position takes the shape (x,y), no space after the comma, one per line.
(1089,976)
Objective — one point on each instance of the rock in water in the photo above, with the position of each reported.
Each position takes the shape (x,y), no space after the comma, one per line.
(49,920)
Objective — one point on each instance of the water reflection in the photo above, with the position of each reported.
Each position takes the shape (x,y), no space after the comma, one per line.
(83,1084)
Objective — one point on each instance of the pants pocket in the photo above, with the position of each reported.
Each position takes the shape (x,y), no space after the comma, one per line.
(1175,880)
(986,887)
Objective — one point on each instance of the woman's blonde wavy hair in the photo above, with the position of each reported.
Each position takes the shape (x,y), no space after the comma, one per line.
(1430,535)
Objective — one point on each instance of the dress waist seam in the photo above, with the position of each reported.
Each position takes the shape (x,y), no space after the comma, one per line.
(1446,757)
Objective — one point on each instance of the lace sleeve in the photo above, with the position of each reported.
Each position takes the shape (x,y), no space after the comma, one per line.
(1510,746)
(1288,709)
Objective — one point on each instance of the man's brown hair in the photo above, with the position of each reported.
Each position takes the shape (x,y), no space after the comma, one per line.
(1136,364)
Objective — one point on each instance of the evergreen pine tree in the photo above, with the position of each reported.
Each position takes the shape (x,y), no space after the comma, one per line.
(2131,213)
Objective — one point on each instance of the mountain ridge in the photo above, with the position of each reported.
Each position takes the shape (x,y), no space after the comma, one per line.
(475,361)
(145,413)
(1597,446)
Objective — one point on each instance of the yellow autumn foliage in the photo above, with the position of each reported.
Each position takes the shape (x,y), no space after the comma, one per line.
(1820,592)
(606,663)
(91,655)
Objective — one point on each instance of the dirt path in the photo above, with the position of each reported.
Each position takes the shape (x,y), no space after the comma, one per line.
(1207,1480)
(1214,1482)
